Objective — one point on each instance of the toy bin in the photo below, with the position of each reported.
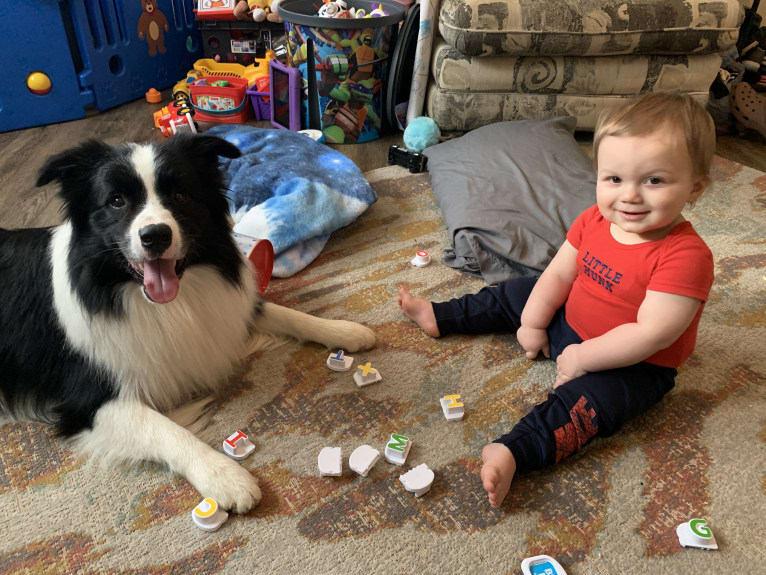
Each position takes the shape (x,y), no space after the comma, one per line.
(259,98)
(67,56)
(220,99)
(344,84)
(260,102)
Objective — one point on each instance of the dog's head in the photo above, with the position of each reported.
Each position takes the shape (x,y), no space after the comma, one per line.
(145,212)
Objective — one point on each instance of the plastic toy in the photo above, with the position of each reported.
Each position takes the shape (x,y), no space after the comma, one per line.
(215,10)
(39,83)
(415,162)
(421,133)
(366,375)
(153,96)
(330,462)
(418,480)
(210,68)
(175,117)
(339,361)
(397,449)
(259,98)
(362,459)
(238,446)
(541,565)
(208,516)
(452,408)
(421,259)
(260,253)
(696,533)
(315,135)
(285,96)
(222,100)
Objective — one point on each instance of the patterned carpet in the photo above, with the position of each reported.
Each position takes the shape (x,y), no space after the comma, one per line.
(611,509)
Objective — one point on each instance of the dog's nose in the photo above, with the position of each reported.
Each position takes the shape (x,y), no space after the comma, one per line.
(156,238)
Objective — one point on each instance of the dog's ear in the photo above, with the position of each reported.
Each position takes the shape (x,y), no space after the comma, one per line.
(204,150)
(73,164)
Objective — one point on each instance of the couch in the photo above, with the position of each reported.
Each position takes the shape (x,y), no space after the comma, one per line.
(496,60)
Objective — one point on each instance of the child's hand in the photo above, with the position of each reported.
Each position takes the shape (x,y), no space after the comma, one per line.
(567,366)
(533,341)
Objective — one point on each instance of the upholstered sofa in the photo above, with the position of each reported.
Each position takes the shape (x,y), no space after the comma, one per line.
(495,60)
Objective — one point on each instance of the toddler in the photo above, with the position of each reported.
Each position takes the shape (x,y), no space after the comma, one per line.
(619,304)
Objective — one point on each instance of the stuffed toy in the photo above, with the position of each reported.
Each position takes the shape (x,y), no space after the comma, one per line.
(259,10)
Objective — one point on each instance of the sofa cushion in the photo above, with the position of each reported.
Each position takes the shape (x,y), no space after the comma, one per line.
(572,27)
(509,192)
(462,111)
(583,75)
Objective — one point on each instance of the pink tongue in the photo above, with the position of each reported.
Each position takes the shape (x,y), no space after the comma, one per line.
(160,280)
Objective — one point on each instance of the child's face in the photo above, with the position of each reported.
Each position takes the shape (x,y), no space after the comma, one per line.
(644,182)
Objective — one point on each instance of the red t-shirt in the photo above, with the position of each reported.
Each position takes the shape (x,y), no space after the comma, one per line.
(612,279)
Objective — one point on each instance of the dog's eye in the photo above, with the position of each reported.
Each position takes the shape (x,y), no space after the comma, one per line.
(180,196)
(117,201)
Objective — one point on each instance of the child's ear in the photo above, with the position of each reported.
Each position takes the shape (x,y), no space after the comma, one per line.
(699,186)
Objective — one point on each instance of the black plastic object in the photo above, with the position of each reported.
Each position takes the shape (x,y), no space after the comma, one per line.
(314,122)
(415,162)
(402,67)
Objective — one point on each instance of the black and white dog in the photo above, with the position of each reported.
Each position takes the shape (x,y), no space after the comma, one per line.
(117,324)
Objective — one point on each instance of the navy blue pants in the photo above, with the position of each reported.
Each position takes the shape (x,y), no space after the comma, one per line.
(595,404)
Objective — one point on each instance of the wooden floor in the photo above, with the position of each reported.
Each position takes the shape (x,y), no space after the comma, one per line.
(23,152)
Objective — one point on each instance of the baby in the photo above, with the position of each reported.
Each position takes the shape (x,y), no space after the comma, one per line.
(619,304)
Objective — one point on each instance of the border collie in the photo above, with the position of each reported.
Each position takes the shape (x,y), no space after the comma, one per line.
(119,323)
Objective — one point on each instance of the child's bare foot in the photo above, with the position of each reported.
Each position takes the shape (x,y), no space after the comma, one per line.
(497,472)
(418,310)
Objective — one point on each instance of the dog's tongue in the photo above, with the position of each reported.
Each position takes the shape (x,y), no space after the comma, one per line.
(160,280)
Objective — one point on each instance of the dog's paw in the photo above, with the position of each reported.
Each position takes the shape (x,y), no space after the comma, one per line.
(231,485)
(350,336)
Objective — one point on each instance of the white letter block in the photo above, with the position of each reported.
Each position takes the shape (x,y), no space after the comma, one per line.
(208,516)
(452,408)
(237,445)
(418,480)
(339,361)
(330,462)
(363,458)
(397,449)
(696,533)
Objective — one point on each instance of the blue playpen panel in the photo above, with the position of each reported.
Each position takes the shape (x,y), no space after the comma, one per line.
(98,53)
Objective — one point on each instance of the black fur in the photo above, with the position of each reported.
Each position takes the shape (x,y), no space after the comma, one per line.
(39,371)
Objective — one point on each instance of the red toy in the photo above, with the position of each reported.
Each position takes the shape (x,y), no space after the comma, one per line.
(260,253)
(220,99)
(215,10)
(176,116)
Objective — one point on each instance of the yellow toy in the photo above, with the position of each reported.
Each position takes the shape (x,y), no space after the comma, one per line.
(209,67)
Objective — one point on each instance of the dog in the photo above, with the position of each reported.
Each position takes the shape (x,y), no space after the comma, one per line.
(122,322)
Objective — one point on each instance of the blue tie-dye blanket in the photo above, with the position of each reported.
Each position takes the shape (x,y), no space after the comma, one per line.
(290,190)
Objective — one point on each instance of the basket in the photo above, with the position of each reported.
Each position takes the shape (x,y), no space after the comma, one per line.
(220,99)
(259,98)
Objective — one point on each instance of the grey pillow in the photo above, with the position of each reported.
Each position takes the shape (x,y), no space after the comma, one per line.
(509,191)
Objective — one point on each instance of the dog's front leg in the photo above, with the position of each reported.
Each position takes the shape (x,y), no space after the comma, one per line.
(332,333)
(129,430)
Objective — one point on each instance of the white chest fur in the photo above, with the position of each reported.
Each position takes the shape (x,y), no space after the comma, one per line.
(161,353)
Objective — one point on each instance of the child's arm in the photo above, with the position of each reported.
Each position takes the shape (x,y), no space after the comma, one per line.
(548,295)
(661,320)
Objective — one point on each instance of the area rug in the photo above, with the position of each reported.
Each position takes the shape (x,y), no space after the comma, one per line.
(611,509)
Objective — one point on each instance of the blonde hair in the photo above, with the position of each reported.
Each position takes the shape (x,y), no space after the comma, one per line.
(657,111)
